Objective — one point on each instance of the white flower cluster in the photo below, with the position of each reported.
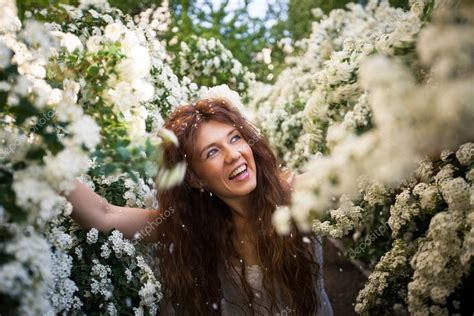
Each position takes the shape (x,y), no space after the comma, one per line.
(115,251)
(440,257)
(209,62)
(324,80)
(28,276)
(375,117)
(402,212)
(150,291)
(92,236)
(141,86)
(170,91)
(121,246)
(57,105)
(393,264)
(443,257)
(158,18)
(44,151)
(432,278)
(223,92)
(128,87)
(141,194)
(63,292)
(344,220)
(100,282)
(388,152)
(37,118)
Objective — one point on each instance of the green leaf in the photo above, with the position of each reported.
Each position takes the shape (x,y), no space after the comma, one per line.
(35,153)
(124,153)
(93,70)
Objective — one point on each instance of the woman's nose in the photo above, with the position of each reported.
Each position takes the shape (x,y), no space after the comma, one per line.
(233,154)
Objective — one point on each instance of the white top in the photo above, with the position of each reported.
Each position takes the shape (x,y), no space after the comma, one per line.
(234,304)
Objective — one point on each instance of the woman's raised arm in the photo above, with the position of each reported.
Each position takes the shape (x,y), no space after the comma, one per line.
(90,210)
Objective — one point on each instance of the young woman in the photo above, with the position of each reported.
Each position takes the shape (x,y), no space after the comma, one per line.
(219,253)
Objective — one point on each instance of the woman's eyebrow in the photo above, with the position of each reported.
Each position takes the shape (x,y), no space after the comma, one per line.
(212,144)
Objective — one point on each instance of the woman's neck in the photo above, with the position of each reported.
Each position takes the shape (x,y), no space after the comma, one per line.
(240,208)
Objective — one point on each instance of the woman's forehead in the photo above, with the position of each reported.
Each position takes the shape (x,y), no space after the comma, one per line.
(212,131)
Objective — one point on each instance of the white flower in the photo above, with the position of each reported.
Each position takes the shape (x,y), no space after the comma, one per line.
(86,131)
(9,21)
(223,92)
(114,31)
(33,193)
(95,3)
(117,242)
(128,274)
(111,309)
(147,293)
(92,236)
(465,154)
(136,65)
(136,128)
(168,178)
(65,166)
(456,192)
(5,55)
(169,136)
(23,86)
(12,276)
(143,90)
(93,43)
(69,41)
(281,220)
(105,251)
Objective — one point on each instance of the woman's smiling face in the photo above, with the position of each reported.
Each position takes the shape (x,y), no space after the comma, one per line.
(224,160)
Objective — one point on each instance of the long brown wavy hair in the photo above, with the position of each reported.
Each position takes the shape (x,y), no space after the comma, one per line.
(198,236)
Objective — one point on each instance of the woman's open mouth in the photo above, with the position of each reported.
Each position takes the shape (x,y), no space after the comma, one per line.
(240,173)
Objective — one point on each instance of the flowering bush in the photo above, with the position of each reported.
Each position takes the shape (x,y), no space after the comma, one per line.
(83,99)
(42,150)
(101,273)
(431,229)
(369,88)
(209,63)
(325,101)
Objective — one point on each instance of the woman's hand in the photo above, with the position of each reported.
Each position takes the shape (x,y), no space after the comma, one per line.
(287,175)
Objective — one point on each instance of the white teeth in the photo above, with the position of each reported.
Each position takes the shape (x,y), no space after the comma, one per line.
(238,170)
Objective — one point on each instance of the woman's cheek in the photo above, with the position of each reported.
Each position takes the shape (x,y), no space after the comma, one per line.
(216,170)
(247,148)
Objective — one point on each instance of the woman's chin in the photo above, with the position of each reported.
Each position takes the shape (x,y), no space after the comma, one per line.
(245,188)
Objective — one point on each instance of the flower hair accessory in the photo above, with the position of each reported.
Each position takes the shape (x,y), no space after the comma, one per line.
(223,92)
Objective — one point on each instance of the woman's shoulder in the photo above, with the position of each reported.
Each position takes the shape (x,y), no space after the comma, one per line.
(318,248)
(301,178)
(293,178)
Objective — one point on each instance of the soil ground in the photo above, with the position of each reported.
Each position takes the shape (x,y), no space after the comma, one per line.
(343,280)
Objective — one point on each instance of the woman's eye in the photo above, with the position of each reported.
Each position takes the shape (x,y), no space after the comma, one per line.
(209,153)
(238,137)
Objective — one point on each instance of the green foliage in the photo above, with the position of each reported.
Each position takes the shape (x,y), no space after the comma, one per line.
(131,7)
(300,17)
(30,5)
(209,63)
(245,36)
